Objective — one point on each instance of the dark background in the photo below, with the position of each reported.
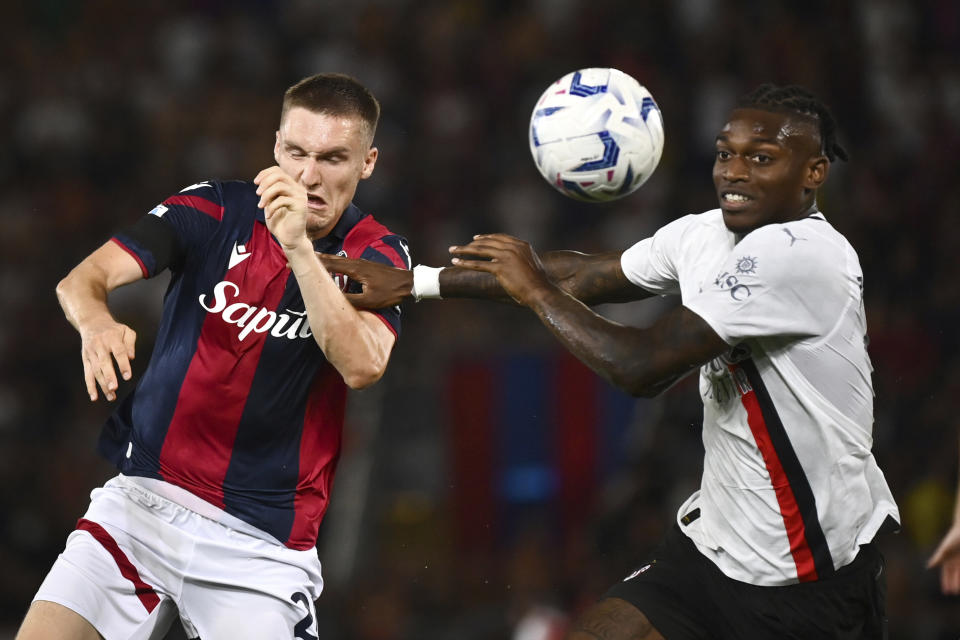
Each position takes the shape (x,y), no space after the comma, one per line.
(489,483)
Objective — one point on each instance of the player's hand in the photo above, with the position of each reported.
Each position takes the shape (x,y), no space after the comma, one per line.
(284,204)
(383,286)
(103,343)
(512,261)
(947,557)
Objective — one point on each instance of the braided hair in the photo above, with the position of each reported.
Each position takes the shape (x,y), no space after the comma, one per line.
(792,98)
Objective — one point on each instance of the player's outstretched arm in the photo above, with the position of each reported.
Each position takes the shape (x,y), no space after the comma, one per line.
(947,554)
(591,278)
(83,297)
(639,361)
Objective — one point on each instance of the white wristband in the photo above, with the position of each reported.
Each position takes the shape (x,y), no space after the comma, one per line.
(426,282)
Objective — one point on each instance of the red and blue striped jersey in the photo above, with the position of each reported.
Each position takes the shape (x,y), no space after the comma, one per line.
(238,404)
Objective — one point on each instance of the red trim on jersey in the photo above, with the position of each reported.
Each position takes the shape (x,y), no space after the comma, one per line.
(143,267)
(367,232)
(576,445)
(199,441)
(144,591)
(391,253)
(202,205)
(792,518)
(319,453)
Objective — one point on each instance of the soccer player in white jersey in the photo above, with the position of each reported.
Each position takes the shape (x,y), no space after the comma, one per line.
(778,540)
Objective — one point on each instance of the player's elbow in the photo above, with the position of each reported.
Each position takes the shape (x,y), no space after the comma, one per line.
(65,287)
(361,377)
(638,384)
(637,389)
(645,391)
(359,381)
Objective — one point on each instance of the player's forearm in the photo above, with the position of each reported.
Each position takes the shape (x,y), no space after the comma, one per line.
(633,359)
(590,278)
(346,340)
(83,296)
(601,344)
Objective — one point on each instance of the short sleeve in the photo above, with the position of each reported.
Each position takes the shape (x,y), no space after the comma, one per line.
(186,221)
(652,262)
(766,288)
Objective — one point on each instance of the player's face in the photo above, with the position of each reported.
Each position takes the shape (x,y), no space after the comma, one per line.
(328,155)
(767,168)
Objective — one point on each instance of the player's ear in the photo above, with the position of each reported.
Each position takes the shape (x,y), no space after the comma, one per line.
(369,162)
(817,169)
(276,149)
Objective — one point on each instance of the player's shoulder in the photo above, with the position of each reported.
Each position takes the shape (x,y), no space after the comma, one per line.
(811,237)
(707,222)
(356,224)
(365,237)
(809,248)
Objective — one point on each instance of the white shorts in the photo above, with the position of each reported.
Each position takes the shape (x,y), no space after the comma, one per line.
(137,559)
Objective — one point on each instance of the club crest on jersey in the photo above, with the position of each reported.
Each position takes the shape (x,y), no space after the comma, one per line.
(746,264)
(288,324)
(341,280)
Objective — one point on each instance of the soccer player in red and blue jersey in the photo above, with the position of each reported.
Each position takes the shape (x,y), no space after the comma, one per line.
(228,444)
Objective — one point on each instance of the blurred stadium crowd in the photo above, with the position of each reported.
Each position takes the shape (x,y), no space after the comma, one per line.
(490,485)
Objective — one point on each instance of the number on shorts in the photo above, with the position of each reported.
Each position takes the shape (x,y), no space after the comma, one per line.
(302,629)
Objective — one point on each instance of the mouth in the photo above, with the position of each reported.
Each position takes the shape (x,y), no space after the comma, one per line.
(315,202)
(734,200)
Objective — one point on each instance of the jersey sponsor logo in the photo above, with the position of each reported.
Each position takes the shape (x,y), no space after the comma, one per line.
(726,281)
(237,255)
(289,324)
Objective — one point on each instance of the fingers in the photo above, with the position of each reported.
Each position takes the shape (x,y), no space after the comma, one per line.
(269,175)
(271,190)
(123,352)
(101,365)
(339,264)
(490,266)
(89,379)
(99,354)
(950,577)
(938,556)
(278,204)
(948,549)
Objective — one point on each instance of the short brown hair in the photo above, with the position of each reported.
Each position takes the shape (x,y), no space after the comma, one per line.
(335,94)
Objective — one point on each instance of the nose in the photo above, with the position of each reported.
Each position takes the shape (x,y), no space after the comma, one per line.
(735,170)
(310,176)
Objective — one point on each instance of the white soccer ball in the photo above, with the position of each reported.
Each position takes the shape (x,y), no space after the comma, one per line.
(596,134)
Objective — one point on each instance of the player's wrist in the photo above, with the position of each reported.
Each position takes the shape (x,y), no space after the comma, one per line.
(426,282)
(301,258)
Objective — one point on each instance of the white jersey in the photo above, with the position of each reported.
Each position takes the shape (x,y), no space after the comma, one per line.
(790,488)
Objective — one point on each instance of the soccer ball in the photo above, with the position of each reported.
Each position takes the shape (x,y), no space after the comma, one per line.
(596,134)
